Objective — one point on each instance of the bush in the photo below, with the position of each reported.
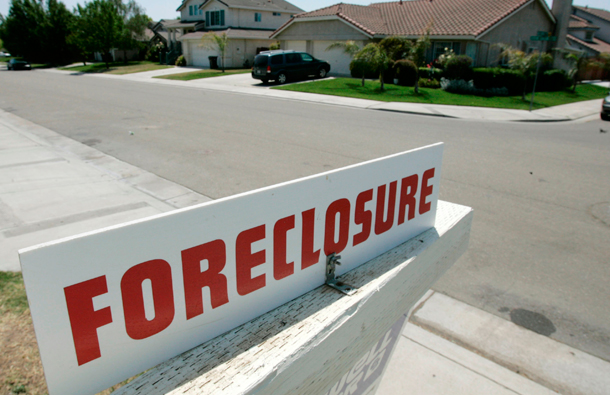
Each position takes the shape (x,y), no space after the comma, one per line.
(356,67)
(181,61)
(429,83)
(468,88)
(406,72)
(458,68)
(430,73)
(553,80)
(494,78)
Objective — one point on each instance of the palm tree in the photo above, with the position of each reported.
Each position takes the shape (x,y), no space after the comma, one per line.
(349,47)
(375,55)
(524,63)
(213,41)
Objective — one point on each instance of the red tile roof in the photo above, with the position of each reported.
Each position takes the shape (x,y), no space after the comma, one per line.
(603,14)
(411,17)
(577,22)
(597,45)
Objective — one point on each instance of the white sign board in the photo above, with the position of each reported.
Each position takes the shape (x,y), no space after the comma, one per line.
(112,303)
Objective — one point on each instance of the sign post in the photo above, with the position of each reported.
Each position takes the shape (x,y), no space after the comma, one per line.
(113,303)
(542,37)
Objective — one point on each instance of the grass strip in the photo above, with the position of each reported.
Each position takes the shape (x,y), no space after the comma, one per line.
(206,73)
(119,68)
(349,87)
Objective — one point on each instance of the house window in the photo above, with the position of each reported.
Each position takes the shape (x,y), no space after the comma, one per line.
(277,14)
(441,47)
(191,10)
(200,11)
(215,18)
(257,17)
(589,36)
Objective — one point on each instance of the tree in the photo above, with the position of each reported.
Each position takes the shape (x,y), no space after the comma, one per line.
(578,61)
(377,57)
(213,41)
(133,27)
(349,47)
(23,29)
(417,53)
(99,27)
(526,64)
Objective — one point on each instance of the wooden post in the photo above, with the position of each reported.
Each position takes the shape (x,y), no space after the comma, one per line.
(324,341)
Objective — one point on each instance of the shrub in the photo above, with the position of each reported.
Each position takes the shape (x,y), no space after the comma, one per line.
(356,67)
(493,78)
(468,88)
(553,80)
(458,68)
(406,72)
(430,73)
(429,83)
(181,61)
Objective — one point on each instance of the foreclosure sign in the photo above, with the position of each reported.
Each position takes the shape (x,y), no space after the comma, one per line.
(112,303)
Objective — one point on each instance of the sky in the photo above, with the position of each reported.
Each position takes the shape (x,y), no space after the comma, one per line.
(164,9)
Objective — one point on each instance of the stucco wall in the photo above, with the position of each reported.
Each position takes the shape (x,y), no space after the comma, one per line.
(604,32)
(245,18)
(321,30)
(516,31)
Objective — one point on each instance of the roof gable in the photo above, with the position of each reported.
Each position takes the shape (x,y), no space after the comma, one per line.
(603,14)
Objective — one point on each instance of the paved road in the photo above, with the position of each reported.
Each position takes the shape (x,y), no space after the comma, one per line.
(539,248)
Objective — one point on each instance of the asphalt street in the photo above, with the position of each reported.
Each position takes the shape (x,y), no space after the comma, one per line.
(538,253)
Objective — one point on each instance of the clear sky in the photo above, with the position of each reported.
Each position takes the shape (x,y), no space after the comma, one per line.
(165,9)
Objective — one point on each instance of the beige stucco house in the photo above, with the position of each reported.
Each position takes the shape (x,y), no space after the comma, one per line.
(247,23)
(470,27)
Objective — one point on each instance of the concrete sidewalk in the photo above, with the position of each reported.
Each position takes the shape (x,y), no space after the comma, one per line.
(52,187)
(245,84)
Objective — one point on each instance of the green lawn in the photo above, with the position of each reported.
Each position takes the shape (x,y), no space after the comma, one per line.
(119,68)
(206,73)
(350,87)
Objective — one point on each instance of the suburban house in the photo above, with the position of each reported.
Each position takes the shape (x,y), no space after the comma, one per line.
(247,23)
(589,30)
(476,28)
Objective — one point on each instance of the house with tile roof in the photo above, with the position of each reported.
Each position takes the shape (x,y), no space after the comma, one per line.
(470,27)
(589,30)
(247,23)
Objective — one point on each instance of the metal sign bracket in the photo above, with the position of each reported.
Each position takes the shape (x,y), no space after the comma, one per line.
(331,261)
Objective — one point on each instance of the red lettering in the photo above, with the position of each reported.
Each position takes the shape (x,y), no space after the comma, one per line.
(309,257)
(381,225)
(84,320)
(426,190)
(363,217)
(281,268)
(195,279)
(159,272)
(245,260)
(408,189)
(341,207)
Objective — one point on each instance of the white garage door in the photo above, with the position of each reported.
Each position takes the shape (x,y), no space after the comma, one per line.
(339,61)
(296,45)
(199,56)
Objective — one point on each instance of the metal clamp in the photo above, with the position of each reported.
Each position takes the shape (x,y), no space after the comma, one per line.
(331,261)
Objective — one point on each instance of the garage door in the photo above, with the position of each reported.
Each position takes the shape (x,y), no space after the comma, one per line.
(339,61)
(199,56)
(296,45)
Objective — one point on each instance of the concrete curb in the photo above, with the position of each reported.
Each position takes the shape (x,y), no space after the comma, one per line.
(556,366)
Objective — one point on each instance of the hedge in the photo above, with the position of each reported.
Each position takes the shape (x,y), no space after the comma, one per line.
(489,78)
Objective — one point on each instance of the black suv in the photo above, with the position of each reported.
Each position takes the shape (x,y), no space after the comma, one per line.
(283,65)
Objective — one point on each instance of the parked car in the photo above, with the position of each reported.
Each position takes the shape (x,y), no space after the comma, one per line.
(4,54)
(605,113)
(15,64)
(283,65)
